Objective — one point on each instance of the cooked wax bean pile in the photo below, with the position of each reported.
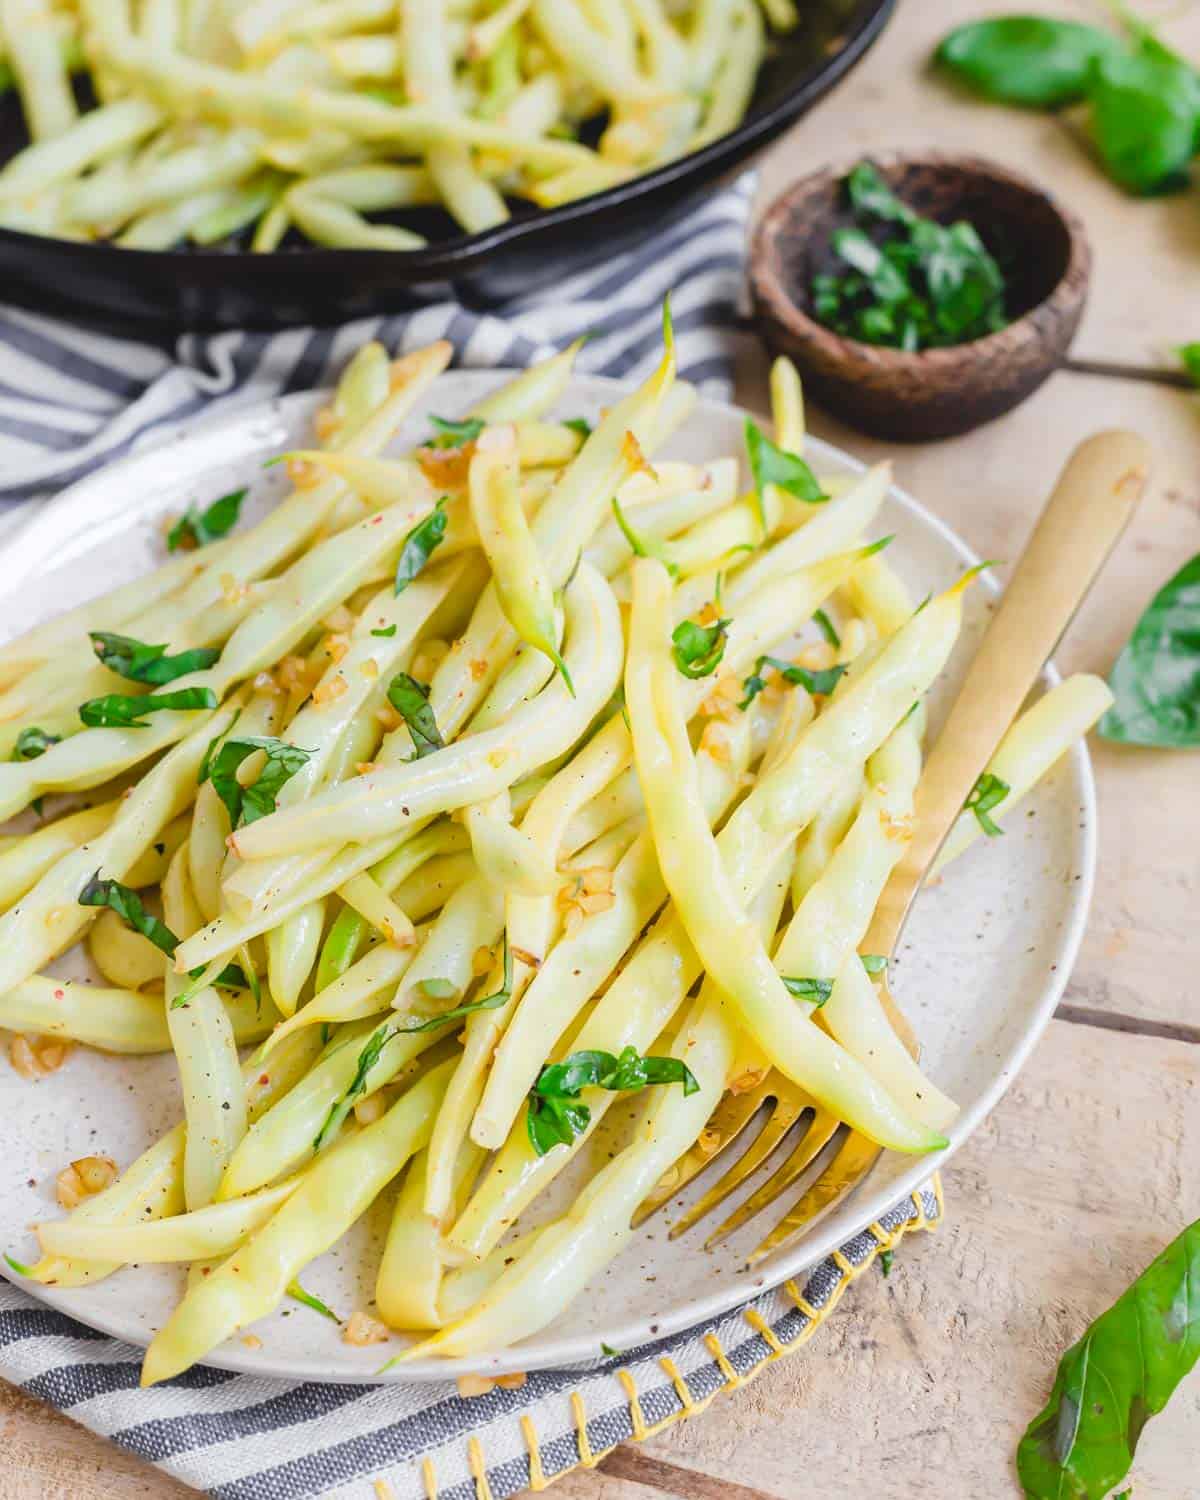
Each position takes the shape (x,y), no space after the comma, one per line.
(218,117)
(506,771)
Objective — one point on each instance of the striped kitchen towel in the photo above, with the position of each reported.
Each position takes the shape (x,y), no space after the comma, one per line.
(240,1437)
(71,400)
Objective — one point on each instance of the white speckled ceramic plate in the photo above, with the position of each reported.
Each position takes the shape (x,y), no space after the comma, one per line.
(983,962)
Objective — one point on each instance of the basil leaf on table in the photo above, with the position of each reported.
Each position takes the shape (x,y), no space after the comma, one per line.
(196,528)
(134,659)
(1156,680)
(1122,1371)
(1189,354)
(1145,111)
(124,710)
(1028,60)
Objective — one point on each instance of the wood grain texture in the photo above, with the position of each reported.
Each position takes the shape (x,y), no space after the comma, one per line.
(922,1382)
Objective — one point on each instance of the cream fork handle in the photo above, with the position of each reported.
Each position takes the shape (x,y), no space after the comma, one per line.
(1092,502)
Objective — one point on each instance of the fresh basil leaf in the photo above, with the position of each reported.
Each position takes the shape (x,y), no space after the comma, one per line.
(609,1352)
(1189,354)
(452,434)
(139,662)
(1122,1371)
(555,1116)
(196,528)
(770,464)
(874,963)
(698,649)
(819,681)
(1156,679)
(246,804)
(488,1002)
(1145,112)
(122,711)
(419,546)
(827,628)
(437,989)
(816,990)
(870,195)
(128,906)
(988,792)
(410,699)
(298,1294)
(641,547)
(581,425)
(18,1266)
(1027,60)
(886,1257)
(386,633)
(371,1052)
(33,742)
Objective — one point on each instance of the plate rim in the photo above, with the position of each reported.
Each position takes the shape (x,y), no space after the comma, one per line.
(863,1207)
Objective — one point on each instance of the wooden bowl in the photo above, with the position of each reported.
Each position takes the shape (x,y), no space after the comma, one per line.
(934,393)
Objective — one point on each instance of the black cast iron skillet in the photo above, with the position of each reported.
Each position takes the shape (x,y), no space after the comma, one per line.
(164,291)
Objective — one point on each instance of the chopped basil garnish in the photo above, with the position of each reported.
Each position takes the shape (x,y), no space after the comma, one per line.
(556,1116)
(246,804)
(885,1261)
(419,546)
(298,1294)
(874,963)
(608,1351)
(128,906)
(386,633)
(139,662)
(488,1002)
(1189,355)
(33,742)
(18,1266)
(989,791)
(818,681)
(367,1058)
(816,990)
(770,464)
(581,425)
(640,546)
(196,528)
(124,711)
(451,434)
(698,649)
(827,628)
(410,699)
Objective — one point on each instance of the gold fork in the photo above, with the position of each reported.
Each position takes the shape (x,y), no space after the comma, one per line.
(1086,514)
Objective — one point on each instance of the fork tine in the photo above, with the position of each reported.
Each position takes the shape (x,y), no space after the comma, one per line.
(788,1109)
(727,1121)
(854,1159)
(820,1132)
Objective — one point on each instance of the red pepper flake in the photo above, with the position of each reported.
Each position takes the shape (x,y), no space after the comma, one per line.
(264,1079)
(59,994)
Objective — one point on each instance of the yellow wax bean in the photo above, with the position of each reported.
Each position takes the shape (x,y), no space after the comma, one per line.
(23,863)
(522,582)
(709,901)
(1031,747)
(331,1196)
(205,1232)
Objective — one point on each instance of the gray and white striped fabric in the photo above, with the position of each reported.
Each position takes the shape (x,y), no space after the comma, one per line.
(71,400)
(237,1437)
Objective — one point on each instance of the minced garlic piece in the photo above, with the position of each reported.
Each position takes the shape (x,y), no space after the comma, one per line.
(84,1178)
(362,1330)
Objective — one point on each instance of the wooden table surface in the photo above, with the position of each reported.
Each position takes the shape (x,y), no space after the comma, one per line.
(923,1382)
